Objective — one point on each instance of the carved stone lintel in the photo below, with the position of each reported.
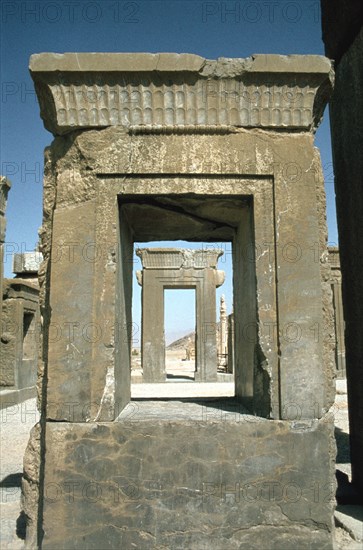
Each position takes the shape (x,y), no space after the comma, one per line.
(171,92)
(176,258)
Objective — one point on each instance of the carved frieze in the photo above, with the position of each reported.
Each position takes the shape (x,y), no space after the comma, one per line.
(176,258)
(183,92)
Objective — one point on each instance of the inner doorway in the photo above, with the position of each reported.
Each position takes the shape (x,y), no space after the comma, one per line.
(195,357)
(218,222)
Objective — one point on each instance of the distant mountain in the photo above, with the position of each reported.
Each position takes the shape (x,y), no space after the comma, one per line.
(181,343)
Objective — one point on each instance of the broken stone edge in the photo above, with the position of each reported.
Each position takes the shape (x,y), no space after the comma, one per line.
(174,62)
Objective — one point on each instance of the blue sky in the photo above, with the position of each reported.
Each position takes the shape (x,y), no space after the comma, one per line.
(210,29)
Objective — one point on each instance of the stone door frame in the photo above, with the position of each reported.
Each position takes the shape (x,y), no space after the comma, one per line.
(175,141)
(257,227)
(177,269)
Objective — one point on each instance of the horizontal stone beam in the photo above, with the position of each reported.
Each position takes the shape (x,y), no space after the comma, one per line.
(174,91)
(174,258)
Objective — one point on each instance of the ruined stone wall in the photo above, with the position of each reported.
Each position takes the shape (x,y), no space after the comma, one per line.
(21,329)
(19,341)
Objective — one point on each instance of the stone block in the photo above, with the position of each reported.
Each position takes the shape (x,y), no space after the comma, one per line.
(27,262)
(189,476)
(268,91)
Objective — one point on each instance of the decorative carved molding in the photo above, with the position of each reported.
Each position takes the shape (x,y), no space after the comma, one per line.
(141,94)
(334,258)
(176,258)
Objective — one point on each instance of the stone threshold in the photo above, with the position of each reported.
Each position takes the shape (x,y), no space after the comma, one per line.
(217,409)
(182,390)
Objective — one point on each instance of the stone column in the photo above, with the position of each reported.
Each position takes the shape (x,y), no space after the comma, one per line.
(223,334)
(223,325)
(4,189)
(343,39)
(339,324)
(230,340)
(206,356)
(152,339)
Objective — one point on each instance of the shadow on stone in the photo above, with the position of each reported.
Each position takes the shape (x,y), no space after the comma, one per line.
(179,376)
(225,404)
(346,491)
(21,526)
(12,480)
(343,446)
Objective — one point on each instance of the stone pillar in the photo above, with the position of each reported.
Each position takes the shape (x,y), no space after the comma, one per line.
(343,39)
(339,324)
(223,326)
(230,340)
(206,335)
(4,189)
(152,327)
(223,334)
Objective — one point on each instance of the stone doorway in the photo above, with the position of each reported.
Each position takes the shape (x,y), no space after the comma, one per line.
(182,159)
(232,218)
(179,268)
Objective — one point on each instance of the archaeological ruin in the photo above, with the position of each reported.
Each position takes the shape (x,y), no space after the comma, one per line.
(153,147)
(5,185)
(339,324)
(20,336)
(20,323)
(179,268)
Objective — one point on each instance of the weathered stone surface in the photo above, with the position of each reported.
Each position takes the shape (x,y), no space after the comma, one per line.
(339,323)
(20,335)
(31,484)
(4,190)
(116,62)
(195,218)
(177,258)
(346,115)
(188,477)
(179,91)
(26,262)
(290,162)
(321,255)
(341,23)
(256,186)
